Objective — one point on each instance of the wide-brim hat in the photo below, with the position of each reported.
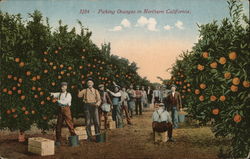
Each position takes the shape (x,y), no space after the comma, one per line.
(173,86)
(101,85)
(64,84)
(161,104)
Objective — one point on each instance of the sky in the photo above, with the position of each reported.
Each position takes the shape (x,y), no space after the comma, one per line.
(152,33)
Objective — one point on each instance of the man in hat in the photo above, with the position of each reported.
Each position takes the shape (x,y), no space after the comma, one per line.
(92,100)
(138,101)
(124,102)
(162,121)
(131,101)
(157,95)
(105,105)
(174,104)
(64,114)
(117,110)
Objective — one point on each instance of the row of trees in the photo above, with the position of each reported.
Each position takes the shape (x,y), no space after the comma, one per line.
(214,78)
(35,60)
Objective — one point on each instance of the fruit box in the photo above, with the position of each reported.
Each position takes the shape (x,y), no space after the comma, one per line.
(160,137)
(41,146)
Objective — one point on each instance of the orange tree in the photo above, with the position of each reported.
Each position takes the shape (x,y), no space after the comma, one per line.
(217,71)
(35,60)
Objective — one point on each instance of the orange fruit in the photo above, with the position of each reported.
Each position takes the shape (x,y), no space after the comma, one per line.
(59,77)
(82,57)
(201,98)
(213,98)
(62,72)
(89,65)
(26,112)
(82,76)
(56,51)
(45,71)
(15,116)
(36,96)
(237,118)
(13,88)
(51,63)
(83,82)
(246,84)
(45,60)
(48,98)
(222,60)
(227,75)
(10,92)
(8,111)
(41,93)
(83,50)
(182,96)
(33,112)
(184,87)
(205,55)
(38,77)
(23,108)
(53,83)
(15,78)
(74,73)
(203,86)
(61,66)
(68,74)
(222,98)
(42,103)
(18,85)
(216,111)
(189,90)
(188,85)
(33,88)
(213,65)
(54,67)
(33,78)
(20,80)
(45,52)
(81,67)
(13,110)
(17,59)
(9,76)
(45,118)
(236,81)
(19,91)
(234,88)
(5,90)
(22,97)
(232,55)
(21,64)
(69,68)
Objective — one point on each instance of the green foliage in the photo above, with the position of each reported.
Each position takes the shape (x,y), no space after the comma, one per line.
(35,60)
(222,48)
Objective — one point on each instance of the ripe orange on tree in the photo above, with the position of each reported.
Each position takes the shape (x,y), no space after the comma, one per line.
(21,64)
(10,92)
(222,60)
(23,108)
(45,71)
(213,98)
(237,118)
(19,91)
(28,73)
(17,59)
(56,51)
(203,86)
(26,112)
(222,98)
(236,81)
(5,90)
(15,78)
(33,112)
(36,96)
(205,55)
(213,65)
(215,111)
(38,77)
(246,84)
(227,75)
(9,76)
(42,103)
(14,88)
(39,89)
(201,98)
(234,88)
(33,88)
(232,55)
(8,111)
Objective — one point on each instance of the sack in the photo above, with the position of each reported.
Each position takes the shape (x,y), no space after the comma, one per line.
(105,107)
(160,126)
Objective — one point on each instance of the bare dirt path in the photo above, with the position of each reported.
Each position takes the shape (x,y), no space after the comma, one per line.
(130,142)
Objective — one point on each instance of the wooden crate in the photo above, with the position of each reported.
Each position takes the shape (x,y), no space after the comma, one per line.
(80,131)
(41,146)
(111,125)
(160,137)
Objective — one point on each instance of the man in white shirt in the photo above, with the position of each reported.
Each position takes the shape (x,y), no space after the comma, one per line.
(162,121)
(64,102)
(124,102)
(157,95)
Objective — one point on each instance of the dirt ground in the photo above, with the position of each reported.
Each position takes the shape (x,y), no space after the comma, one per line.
(130,142)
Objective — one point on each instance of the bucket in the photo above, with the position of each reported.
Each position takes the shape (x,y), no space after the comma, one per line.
(101,137)
(73,141)
(181,118)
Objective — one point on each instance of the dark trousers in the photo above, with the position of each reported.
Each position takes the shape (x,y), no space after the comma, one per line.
(169,129)
(125,109)
(138,105)
(105,114)
(64,114)
(91,112)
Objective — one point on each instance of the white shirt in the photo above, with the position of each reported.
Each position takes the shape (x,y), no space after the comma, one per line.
(161,115)
(63,99)
(156,93)
(173,93)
